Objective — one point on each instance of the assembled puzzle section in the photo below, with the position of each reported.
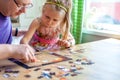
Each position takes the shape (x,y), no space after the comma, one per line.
(44,58)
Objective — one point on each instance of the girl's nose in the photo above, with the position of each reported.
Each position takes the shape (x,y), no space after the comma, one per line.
(50,22)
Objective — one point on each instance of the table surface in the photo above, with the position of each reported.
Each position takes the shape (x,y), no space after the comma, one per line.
(104,54)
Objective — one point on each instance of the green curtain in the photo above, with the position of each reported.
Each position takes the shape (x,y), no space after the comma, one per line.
(77,14)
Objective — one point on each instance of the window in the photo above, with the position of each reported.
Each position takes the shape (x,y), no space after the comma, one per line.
(102,16)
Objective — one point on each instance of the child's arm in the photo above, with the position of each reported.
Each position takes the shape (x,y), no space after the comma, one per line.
(27,37)
(71,39)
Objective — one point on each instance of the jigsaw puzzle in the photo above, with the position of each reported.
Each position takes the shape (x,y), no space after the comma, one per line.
(44,58)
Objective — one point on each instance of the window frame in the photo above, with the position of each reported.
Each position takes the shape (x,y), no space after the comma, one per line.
(100,32)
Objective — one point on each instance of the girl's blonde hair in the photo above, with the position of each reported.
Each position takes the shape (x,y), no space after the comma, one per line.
(65,5)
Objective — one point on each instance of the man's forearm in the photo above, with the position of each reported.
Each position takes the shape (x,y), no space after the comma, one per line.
(18,32)
(5,51)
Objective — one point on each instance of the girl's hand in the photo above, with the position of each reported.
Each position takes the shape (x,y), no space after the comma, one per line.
(63,43)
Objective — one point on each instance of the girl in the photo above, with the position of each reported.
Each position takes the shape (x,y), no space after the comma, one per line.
(52,28)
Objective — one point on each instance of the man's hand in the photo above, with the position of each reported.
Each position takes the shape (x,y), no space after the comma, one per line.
(23,52)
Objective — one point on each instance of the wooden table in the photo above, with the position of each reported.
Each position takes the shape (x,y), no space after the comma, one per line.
(104,53)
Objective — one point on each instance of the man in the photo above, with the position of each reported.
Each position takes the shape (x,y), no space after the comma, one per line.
(13,8)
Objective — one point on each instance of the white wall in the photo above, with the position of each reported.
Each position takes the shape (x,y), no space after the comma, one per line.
(35,11)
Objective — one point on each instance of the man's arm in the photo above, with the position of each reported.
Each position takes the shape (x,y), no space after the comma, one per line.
(23,51)
(18,32)
(5,51)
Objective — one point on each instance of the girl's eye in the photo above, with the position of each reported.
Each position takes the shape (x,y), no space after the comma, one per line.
(55,20)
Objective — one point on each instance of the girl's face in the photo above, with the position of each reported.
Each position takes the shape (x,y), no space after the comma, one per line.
(51,17)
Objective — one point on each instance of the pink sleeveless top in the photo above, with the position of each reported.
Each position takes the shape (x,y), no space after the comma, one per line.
(39,41)
(45,37)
